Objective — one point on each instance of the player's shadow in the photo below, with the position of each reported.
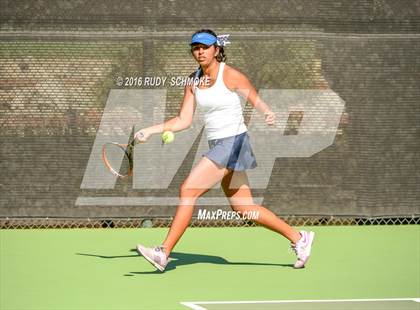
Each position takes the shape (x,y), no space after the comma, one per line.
(180,259)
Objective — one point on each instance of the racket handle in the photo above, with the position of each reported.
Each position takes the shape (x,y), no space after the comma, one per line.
(132,143)
(135,141)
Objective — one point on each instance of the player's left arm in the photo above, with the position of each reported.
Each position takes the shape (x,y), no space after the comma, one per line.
(241,84)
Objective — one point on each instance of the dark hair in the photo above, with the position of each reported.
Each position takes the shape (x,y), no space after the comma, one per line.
(221,56)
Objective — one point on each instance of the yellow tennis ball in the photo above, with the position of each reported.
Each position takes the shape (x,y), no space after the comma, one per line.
(168,137)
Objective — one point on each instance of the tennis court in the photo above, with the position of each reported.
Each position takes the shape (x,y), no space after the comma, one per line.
(224,268)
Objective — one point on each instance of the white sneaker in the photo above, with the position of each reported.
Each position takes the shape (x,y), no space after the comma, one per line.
(156,256)
(302,248)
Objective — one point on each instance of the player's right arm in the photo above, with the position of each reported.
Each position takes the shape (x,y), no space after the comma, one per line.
(178,123)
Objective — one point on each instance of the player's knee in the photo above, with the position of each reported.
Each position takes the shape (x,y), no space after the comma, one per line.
(188,191)
(237,208)
(244,206)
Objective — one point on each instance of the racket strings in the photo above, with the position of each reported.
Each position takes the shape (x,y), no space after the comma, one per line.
(118,158)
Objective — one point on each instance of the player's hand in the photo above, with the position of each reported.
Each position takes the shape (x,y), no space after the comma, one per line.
(142,135)
(270,117)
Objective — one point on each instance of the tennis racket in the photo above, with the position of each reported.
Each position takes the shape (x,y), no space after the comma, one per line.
(118,158)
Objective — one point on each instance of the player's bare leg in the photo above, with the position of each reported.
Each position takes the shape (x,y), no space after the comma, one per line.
(202,177)
(236,187)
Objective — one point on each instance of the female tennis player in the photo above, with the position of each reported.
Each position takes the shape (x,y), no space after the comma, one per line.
(230,153)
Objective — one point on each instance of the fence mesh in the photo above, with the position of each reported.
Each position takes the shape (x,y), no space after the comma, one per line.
(59,63)
(153,222)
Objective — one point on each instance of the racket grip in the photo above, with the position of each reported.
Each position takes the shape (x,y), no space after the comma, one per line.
(135,141)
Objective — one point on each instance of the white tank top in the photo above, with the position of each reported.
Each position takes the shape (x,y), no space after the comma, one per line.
(222,108)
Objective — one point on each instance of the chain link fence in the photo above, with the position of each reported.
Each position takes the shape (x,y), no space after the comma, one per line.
(154,222)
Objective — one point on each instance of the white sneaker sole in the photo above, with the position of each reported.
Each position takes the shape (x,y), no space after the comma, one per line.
(156,265)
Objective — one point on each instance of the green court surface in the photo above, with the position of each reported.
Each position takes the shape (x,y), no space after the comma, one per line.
(223,268)
(340,304)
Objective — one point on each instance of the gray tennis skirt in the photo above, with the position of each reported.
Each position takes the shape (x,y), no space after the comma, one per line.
(233,152)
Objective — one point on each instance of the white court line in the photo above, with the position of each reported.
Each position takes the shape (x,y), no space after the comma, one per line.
(193,304)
